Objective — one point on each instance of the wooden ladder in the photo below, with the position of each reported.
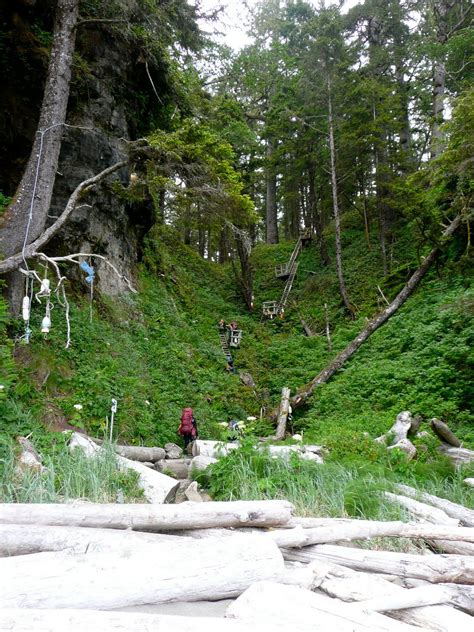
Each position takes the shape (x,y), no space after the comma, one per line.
(225,344)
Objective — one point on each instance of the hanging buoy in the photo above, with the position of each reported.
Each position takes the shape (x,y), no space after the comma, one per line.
(45,289)
(45,325)
(88,270)
(26,308)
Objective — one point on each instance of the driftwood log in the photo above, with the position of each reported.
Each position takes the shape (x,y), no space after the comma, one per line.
(22,539)
(201,463)
(283,413)
(443,431)
(367,529)
(456,569)
(453,510)
(214,449)
(139,517)
(349,585)
(177,468)
(68,620)
(399,430)
(157,573)
(459,456)
(269,601)
(157,487)
(28,459)
(470,482)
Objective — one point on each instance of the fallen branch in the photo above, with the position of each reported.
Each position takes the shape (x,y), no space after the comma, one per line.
(32,250)
(465,515)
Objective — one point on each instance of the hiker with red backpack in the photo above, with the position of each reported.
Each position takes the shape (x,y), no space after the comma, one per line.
(188,427)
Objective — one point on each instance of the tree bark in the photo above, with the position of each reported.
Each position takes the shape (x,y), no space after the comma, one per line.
(316,219)
(23,222)
(155,518)
(437,569)
(283,414)
(335,206)
(322,377)
(158,573)
(268,601)
(271,217)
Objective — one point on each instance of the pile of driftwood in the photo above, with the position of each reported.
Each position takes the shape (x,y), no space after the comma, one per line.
(69,566)
(406,428)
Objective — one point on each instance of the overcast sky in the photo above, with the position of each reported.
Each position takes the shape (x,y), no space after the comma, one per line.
(233,21)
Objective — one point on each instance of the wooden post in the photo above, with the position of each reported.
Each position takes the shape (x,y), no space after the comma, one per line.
(283,414)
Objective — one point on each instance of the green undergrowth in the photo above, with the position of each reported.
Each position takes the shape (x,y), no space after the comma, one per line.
(68,476)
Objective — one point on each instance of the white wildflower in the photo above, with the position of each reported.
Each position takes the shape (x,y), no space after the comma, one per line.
(78,406)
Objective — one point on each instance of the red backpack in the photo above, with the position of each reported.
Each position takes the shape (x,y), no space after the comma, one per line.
(186,426)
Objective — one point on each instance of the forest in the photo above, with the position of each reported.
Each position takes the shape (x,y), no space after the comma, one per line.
(313,186)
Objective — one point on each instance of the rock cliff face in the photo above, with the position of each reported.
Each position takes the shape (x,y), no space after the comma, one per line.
(102,118)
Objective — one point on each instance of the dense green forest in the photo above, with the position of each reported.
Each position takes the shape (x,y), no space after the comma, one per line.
(350,125)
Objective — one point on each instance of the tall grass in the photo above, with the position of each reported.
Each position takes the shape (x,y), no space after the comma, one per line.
(69,476)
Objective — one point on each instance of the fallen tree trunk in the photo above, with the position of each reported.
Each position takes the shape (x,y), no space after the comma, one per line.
(454,510)
(32,620)
(140,453)
(155,518)
(459,456)
(268,601)
(433,515)
(201,463)
(304,393)
(21,539)
(414,598)
(444,433)
(178,468)
(349,585)
(157,487)
(470,482)
(456,569)
(462,596)
(157,573)
(283,414)
(367,529)
(214,449)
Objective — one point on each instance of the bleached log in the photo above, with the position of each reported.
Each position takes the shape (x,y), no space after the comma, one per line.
(422,511)
(433,515)
(140,517)
(21,539)
(157,573)
(444,433)
(201,463)
(157,487)
(28,459)
(69,620)
(269,601)
(462,595)
(283,413)
(399,430)
(459,456)
(456,569)
(454,510)
(414,598)
(140,453)
(177,468)
(214,449)
(405,445)
(469,481)
(367,529)
(349,585)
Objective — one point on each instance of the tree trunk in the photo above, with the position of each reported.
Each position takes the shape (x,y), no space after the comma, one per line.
(271,216)
(465,515)
(140,517)
(283,414)
(21,539)
(316,219)
(268,601)
(25,219)
(322,377)
(335,205)
(348,585)
(437,569)
(158,573)
(444,433)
